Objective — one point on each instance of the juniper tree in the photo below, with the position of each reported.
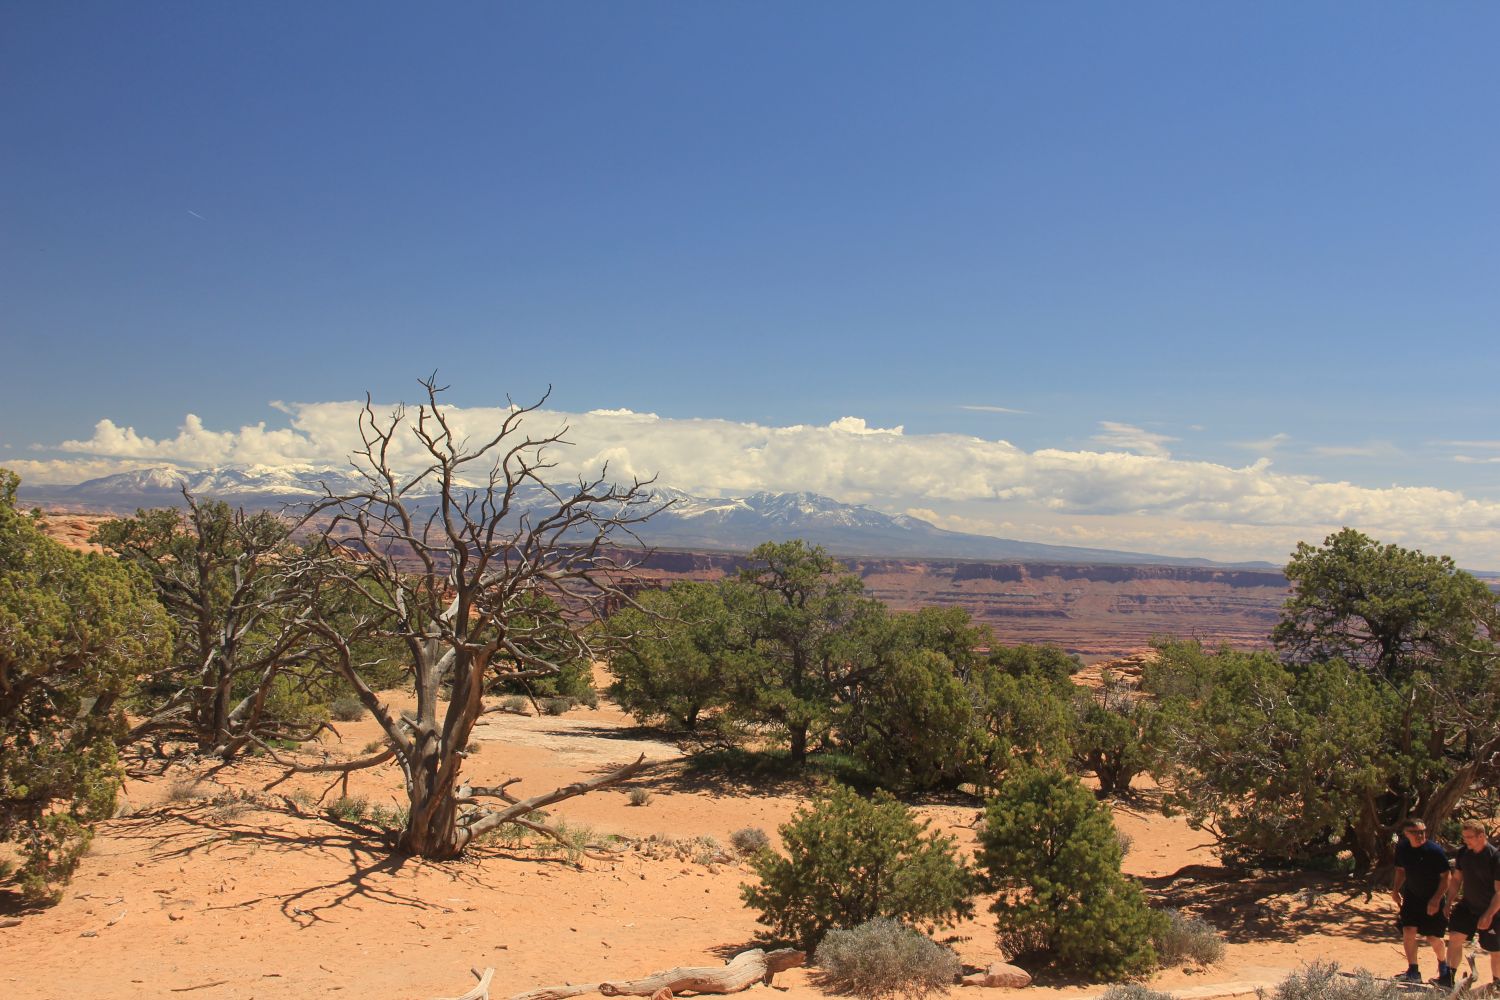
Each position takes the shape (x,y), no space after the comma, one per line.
(76,630)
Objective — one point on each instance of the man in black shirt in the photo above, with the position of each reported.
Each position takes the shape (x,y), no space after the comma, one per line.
(1421,881)
(1473,899)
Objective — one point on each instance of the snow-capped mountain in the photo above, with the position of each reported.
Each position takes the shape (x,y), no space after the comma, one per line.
(686,522)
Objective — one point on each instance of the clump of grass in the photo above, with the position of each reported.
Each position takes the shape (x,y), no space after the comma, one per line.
(229,803)
(303,799)
(349,808)
(706,850)
(1133,991)
(393,818)
(179,792)
(514,703)
(750,840)
(374,746)
(347,708)
(638,797)
(1322,981)
(1187,938)
(1126,842)
(557,706)
(883,958)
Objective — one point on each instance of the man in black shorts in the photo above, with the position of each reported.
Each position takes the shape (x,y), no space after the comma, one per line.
(1473,899)
(1421,881)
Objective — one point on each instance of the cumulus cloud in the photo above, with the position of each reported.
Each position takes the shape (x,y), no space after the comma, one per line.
(1130,493)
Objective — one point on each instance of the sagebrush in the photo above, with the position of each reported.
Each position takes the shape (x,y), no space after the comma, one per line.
(883,958)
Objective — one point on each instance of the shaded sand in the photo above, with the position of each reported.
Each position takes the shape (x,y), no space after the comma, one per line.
(200,895)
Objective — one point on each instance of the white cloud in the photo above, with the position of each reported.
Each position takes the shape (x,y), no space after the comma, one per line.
(1131,438)
(981,408)
(1264,446)
(1370,449)
(1129,494)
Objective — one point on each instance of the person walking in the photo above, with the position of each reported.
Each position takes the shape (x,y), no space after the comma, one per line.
(1419,888)
(1473,900)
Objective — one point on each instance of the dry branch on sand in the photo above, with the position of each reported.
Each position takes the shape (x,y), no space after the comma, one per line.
(739,973)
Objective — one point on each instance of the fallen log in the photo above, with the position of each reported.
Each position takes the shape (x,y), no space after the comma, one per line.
(481,990)
(740,972)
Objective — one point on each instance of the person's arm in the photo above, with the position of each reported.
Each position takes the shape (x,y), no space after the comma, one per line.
(1436,902)
(1491,910)
(1455,883)
(1397,881)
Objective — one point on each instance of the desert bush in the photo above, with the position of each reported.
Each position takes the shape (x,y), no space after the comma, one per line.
(347,708)
(513,703)
(1133,991)
(882,958)
(1048,848)
(556,706)
(349,808)
(373,746)
(1126,842)
(1187,938)
(1322,981)
(750,840)
(638,797)
(850,860)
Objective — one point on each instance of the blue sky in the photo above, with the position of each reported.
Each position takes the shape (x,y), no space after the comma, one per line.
(1248,244)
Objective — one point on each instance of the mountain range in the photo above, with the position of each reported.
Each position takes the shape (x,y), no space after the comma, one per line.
(688,522)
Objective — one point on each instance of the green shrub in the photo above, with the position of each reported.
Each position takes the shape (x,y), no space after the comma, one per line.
(349,808)
(556,706)
(850,860)
(1048,848)
(750,840)
(1322,981)
(347,708)
(882,958)
(1187,938)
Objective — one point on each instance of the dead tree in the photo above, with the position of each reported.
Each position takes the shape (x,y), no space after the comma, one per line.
(483,572)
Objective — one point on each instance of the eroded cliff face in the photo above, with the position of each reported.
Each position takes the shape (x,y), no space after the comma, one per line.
(1097,611)
(1094,610)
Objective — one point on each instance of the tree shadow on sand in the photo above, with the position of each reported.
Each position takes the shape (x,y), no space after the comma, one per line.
(1253,905)
(367,853)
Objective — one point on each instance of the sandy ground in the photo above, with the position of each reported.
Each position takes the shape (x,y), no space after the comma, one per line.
(199,895)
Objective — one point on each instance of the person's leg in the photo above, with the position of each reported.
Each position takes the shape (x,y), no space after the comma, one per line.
(1409,942)
(1456,942)
(1440,949)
